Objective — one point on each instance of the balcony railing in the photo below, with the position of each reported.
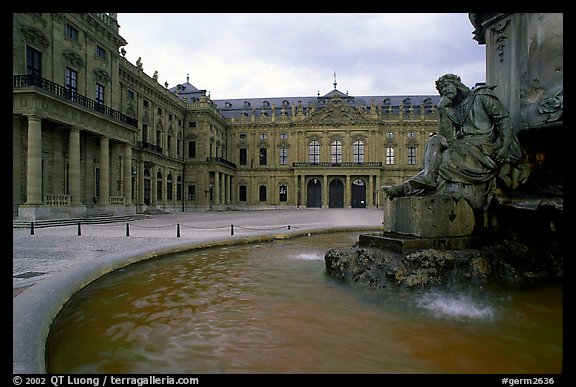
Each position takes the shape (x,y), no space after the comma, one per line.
(152,147)
(70,95)
(222,161)
(370,164)
(57,200)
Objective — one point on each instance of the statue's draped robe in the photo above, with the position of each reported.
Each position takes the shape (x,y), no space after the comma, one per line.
(480,126)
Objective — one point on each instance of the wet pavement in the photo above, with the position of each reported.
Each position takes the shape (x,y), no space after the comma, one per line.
(39,255)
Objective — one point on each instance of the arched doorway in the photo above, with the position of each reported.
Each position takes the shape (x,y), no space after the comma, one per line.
(358,193)
(314,193)
(336,199)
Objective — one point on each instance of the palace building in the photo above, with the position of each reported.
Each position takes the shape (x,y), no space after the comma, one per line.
(93,134)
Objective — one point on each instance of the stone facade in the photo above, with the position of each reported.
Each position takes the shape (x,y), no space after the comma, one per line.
(95,134)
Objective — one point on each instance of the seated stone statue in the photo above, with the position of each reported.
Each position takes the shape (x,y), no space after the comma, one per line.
(474,145)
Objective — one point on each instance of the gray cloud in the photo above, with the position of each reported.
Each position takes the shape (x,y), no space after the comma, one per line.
(271,55)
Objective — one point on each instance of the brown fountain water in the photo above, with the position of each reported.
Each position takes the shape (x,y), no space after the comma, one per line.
(270,308)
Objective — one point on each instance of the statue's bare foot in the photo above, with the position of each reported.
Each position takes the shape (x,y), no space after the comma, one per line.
(393,191)
(424,182)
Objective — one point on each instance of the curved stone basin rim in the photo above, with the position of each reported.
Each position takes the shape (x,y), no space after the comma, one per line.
(35,309)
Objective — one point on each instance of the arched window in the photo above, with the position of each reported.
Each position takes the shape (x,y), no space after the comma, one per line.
(359,151)
(314,152)
(336,152)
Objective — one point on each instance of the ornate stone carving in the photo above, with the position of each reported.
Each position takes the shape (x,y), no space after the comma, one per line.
(102,76)
(73,59)
(553,106)
(336,112)
(35,37)
(501,38)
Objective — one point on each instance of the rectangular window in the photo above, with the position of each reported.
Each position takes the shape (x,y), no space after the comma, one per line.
(336,152)
(262,193)
(192,124)
(146,103)
(169,145)
(100,52)
(71,84)
(33,63)
(192,149)
(159,189)
(192,192)
(178,148)
(390,156)
(71,32)
(358,152)
(178,190)
(243,156)
(144,133)
(314,152)
(411,155)
(283,156)
(130,94)
(159,138)
(99,97)
(242,193)
(263,156)
(169,190)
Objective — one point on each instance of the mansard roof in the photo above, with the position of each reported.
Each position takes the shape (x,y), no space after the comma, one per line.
(235,107)
(187,92)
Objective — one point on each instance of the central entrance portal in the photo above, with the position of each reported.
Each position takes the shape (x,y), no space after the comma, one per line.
(314,193)
(336,194)
(358,193)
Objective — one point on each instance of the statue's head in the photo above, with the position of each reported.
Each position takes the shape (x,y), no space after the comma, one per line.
(450,78)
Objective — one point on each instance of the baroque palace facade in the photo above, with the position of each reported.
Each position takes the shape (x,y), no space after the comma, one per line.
(93,134)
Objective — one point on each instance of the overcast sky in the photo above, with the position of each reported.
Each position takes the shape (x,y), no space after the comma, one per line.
(249,55)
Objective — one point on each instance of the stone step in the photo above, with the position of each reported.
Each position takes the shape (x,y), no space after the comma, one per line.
(72,221)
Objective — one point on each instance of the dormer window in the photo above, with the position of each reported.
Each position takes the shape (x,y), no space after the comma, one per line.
(246,104)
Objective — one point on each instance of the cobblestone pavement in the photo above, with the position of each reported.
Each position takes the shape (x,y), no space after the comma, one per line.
(54,249)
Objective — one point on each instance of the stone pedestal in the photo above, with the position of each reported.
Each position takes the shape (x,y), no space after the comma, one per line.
(428,217)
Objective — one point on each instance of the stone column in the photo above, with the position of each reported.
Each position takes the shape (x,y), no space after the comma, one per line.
(325,196)
(378,191)
(140,183)
(304,191)
(34,162)
(153,186)
(74,166)
(127,174)
(222,188)
(164,174)
(347,193)
(216,188)
(369,192)
(104,171)
(227,198)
